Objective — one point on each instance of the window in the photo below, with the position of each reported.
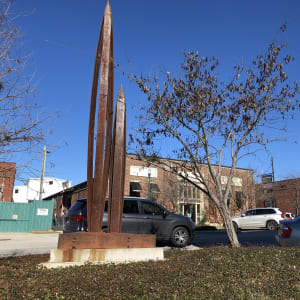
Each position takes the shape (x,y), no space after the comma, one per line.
(268,203)
(151,209)
(269,211)
(130,207)
(189,191)
(185,191)
(181,191)
(249,213)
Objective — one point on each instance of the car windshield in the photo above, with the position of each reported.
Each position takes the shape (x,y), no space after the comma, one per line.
(78,205)
(248,213)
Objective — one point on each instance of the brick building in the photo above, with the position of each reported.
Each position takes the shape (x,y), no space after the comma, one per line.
(177,195)
(7,179)
(181,196)
(283,194)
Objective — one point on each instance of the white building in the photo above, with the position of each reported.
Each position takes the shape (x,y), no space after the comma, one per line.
(30,191)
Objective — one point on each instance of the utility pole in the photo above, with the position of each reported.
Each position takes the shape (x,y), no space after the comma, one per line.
(43,172)
(273,174)
(149,183)
(273,180)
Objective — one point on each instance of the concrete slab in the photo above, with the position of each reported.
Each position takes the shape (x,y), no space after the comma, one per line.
(19,244)
(78,257)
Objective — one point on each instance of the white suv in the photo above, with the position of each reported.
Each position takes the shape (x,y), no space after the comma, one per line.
(256,218)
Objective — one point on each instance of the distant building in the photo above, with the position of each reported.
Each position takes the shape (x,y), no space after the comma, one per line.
(177,195)
(7,179)
(284,194)
(30,191)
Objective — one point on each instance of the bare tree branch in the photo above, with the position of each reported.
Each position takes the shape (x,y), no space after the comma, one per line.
(22,123)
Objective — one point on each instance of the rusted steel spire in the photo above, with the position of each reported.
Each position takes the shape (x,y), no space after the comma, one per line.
(117,171)
(97,174)
(109,163)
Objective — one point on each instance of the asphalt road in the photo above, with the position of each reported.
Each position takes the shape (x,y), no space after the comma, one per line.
(246,238)
(18,244)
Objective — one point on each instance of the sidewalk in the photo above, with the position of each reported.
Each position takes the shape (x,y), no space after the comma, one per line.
(18,244)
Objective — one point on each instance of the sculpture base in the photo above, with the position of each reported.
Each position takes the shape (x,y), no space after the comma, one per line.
(76,257)
(79,248)
(102,240)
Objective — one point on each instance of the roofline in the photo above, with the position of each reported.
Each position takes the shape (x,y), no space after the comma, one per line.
(173,159)
(74,187)
(70,189)
(39,178)
(277,181)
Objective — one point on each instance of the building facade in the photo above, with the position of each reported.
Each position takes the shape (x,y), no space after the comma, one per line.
(31,190)
(183,197)
(7,179)
(284,194)
(179,196)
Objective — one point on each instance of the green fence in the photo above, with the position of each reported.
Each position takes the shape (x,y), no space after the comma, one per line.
(24,217)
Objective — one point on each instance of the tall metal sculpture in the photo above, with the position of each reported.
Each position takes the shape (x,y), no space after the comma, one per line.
(109,152)
(98,173)
(105,163)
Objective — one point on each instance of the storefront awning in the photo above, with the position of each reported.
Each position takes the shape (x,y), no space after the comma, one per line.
(135,187)
(154,188)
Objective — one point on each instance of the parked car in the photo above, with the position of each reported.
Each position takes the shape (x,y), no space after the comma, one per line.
(288,216)
(268,217)
(289,233)
(140,216)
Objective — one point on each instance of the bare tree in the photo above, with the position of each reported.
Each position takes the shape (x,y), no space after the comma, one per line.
(213,121)
(171,194)
(21,122)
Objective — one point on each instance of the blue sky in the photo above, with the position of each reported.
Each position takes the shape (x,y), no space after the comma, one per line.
(149,36)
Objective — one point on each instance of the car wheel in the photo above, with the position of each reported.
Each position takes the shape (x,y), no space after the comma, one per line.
(272,225)
(180,237)
(236,228)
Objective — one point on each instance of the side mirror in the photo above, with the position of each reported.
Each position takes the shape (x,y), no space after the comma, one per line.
(165,213)
(243,215)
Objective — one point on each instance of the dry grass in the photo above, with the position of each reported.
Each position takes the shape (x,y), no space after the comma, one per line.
(211,273)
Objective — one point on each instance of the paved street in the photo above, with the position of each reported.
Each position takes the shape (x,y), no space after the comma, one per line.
(246,238)
(17,244)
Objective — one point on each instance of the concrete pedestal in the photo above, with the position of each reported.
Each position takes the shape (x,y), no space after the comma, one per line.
(77,257)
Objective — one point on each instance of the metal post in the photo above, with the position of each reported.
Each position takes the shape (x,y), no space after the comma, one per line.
(273,174)
(43,172)
(149,183)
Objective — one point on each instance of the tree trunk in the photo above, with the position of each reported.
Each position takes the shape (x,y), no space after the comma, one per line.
(297,203)
(229,226)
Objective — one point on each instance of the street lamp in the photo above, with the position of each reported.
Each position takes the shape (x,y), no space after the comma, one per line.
(45,151)
(149,183)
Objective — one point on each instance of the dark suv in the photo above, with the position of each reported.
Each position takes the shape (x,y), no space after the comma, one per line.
(140,216)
